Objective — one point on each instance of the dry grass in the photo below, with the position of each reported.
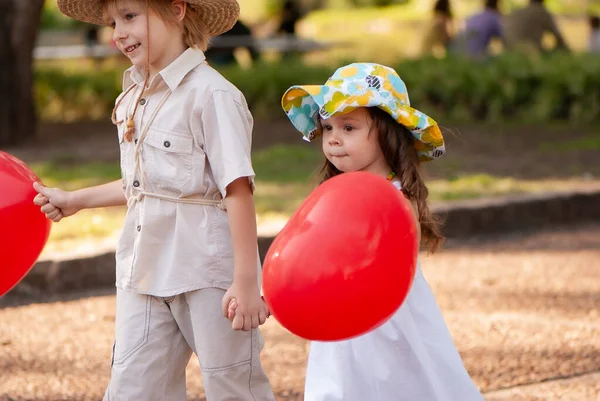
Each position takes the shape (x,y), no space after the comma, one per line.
(521,309)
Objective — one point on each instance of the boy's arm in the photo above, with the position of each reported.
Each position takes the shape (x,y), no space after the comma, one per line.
(58,204)
(250,310)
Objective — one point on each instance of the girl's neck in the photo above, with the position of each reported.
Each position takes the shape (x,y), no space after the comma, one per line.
(380,168)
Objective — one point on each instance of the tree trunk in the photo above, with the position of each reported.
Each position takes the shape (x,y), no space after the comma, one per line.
(19,22)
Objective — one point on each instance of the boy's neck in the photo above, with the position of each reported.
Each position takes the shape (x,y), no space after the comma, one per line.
(168,58)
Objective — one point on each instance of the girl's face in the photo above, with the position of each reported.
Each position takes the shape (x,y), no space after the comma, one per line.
(350,143)
(138,29)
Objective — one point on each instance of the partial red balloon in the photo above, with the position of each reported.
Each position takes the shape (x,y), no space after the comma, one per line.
(24,229)
(345,261)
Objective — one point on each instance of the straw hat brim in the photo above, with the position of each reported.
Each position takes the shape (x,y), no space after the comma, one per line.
(218,16)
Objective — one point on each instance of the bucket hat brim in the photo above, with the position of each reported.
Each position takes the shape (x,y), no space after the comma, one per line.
(305,104)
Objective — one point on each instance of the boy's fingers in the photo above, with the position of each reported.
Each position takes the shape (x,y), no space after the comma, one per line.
(238,322)
(41,189)
(247,323)
(262,317)
(40,200)
(48,208)
(53,214)
(59,217)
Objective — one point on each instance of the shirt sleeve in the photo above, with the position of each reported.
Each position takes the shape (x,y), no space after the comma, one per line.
(227,128)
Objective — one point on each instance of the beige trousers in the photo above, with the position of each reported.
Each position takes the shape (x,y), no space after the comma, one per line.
(155,338)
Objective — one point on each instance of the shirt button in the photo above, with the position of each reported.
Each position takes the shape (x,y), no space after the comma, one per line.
(139,228)
(136,183)
(167,144)
(143,102)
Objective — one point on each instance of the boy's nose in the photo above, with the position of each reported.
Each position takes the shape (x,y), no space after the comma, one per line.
(118,34)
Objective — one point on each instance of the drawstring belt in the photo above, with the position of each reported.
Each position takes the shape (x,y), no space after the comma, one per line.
(194,201)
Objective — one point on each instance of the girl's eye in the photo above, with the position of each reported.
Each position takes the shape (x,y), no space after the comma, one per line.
(327,127)
(112,24)
(129,16)
(348,128)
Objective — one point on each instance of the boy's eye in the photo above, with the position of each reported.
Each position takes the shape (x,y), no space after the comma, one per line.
(348,128)
(112,24)
(327,127)
(129,16)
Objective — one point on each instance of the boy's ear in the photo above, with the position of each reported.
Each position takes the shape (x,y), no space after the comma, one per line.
(179,8)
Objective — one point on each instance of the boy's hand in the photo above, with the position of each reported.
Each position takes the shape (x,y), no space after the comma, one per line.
(233,306)
(54,202)
(243,305)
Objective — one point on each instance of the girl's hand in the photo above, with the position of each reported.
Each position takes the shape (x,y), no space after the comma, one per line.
(243,305)
(54,202)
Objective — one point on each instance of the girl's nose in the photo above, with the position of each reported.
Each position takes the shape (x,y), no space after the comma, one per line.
(333,140)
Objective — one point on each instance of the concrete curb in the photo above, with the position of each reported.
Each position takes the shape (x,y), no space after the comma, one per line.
(463,219)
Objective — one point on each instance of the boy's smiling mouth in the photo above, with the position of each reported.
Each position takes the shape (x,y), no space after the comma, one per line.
(131,48)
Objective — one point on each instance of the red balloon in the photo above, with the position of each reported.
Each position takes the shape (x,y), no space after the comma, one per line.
(345,261)
(25,229)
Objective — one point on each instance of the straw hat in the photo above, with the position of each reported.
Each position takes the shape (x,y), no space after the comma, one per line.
(218,16)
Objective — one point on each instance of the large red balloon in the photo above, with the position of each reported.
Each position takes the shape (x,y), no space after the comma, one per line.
(24,228)
(345,261)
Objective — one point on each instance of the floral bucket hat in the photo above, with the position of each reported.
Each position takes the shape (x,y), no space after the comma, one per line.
(362,85)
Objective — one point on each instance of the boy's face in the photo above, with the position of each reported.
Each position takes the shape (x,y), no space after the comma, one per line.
(138,30)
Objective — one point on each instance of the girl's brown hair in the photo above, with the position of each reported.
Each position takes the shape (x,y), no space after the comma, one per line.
(397,144)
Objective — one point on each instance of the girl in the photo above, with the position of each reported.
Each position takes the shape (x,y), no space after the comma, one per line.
(189,242)
(365,121)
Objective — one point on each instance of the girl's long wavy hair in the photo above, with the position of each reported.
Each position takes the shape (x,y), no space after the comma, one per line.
(397,144)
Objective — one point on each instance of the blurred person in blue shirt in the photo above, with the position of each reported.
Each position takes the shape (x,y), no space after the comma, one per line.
(480,29)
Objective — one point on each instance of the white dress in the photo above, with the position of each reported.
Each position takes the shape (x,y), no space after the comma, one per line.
(411,357)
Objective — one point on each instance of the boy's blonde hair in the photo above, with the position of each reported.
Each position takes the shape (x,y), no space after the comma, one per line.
(194,34)
(194,31)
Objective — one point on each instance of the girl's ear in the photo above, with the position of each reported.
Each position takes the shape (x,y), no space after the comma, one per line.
(179,8)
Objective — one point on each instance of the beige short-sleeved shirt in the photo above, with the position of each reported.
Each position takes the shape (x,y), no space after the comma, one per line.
(198,142)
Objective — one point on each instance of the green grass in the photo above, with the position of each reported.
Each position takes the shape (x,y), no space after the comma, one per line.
(286,175)
(591,142)
(282,163)
(73,175)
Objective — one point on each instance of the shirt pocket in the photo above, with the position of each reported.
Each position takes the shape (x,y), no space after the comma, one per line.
(168,159)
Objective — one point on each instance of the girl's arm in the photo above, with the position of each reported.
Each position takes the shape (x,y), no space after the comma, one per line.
(57,204)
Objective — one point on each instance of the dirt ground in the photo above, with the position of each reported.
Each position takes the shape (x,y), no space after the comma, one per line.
(514,150)
(523,311)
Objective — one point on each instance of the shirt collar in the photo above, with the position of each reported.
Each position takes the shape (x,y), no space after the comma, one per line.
(172,74)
